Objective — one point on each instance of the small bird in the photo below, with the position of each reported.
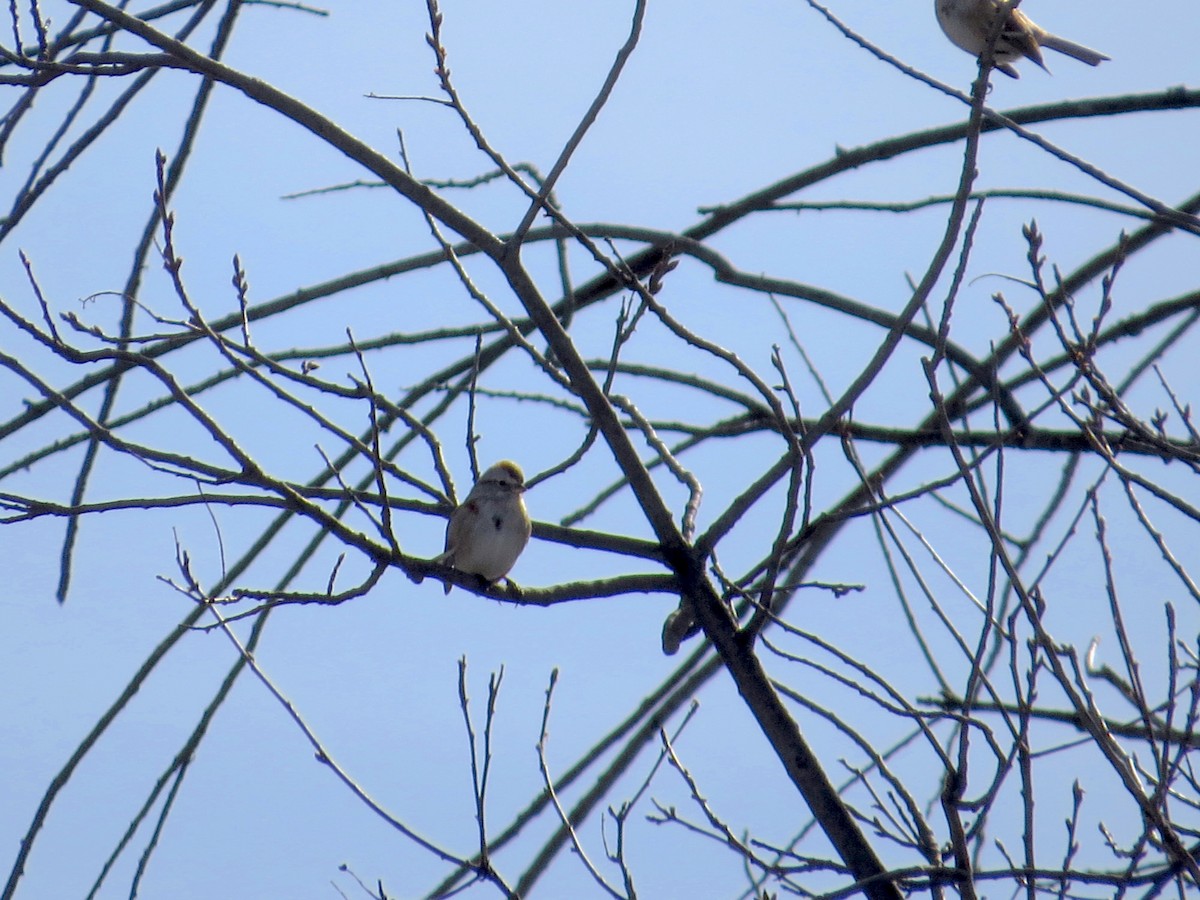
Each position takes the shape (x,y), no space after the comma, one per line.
(968,24)
(487,531)
(679,626)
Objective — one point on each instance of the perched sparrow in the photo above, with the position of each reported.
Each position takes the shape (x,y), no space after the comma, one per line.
(679,626)
(968,24)
(487,531)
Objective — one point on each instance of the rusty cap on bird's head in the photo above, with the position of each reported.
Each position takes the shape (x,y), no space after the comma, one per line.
(505,471)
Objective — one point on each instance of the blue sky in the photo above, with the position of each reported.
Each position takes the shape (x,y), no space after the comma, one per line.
(719,100)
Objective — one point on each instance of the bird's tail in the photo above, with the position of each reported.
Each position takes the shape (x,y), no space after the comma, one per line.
(1070,48)
(445,559)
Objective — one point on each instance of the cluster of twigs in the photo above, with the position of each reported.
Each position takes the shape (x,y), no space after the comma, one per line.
(948,760)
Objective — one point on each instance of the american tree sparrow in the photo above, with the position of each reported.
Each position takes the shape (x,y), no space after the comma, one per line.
(679,626)
(968,24)
(487,531)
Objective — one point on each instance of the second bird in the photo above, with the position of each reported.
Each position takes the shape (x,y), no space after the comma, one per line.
(968,24)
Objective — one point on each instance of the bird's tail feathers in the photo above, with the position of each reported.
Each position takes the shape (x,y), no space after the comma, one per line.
(1070,48)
